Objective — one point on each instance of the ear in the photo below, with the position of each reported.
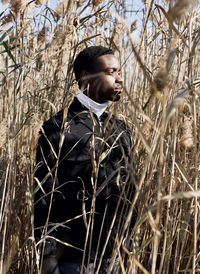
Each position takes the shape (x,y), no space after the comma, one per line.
(84,79)
(84,75)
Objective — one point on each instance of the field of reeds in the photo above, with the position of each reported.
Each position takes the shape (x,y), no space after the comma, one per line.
(159,50)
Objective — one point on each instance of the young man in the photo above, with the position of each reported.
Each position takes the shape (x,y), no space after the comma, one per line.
(84,161)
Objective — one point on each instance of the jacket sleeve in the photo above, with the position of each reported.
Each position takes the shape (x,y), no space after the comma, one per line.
(58,171)
(44,176)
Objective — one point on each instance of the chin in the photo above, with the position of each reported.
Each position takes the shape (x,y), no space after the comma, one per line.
(116,98)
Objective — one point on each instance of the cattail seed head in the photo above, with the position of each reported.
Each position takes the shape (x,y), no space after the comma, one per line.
(147,129)
(39,2)
(17,5)
(80,2)
(31,45)
(187,139)
(62,8)
(7,19)
(42,35)
(178,8)
(161,79)
(96,2)
(40,61)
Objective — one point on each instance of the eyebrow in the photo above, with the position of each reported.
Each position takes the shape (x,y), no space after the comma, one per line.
(114,68)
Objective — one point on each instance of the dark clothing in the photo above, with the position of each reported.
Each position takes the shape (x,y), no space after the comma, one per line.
(51,266)
(82,167)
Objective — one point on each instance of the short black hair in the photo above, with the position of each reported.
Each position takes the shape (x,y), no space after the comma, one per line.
(86,57)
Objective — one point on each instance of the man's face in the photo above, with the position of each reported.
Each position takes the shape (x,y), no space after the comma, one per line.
(105,83)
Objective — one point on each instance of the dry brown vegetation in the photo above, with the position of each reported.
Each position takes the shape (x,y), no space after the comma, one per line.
(161,101)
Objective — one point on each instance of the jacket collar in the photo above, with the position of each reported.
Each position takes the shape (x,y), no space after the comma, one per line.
(78,111)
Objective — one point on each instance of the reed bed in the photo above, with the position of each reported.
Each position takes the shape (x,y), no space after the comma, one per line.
(159,55)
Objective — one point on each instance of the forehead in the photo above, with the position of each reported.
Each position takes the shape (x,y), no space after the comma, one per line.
(106,61)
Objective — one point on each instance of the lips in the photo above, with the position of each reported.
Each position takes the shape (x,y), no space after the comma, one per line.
(118,90)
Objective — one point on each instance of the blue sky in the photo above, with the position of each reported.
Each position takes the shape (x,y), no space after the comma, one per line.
(137,4)
(131,5)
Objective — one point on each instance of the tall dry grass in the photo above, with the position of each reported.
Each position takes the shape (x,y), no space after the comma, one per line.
(161,103)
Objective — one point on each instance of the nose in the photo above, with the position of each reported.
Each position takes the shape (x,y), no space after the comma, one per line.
(118,78)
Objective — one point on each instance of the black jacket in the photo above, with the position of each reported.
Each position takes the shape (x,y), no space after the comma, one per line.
(82,164)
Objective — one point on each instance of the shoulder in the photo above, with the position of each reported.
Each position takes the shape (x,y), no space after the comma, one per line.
(56,121)
(53,124)
(73,116)
(123,128)
(121,122)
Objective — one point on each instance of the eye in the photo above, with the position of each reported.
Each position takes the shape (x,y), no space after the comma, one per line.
(119,73)
(111,71)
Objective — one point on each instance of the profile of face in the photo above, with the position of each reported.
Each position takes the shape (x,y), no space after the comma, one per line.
(104,81)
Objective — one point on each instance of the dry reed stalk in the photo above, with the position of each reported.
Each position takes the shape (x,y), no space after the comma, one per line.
(4,133)
(167,193)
